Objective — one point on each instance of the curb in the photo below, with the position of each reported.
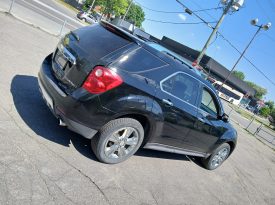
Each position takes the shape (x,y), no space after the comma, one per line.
(28,23)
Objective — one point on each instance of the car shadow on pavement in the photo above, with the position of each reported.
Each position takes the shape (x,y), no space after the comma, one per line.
(35,113)
(160,154)
(168,155)
(33,110)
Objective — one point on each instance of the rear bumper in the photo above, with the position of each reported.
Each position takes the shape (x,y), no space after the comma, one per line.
(84,118)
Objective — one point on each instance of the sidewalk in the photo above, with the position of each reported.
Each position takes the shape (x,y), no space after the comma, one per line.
(43,16)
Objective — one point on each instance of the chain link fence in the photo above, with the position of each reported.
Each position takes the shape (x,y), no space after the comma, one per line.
(266,134)
(43,14)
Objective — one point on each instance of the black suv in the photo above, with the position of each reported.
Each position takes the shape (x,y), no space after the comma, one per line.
(123,93)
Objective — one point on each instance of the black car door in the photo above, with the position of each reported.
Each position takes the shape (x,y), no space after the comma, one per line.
(208,127)
(177,97)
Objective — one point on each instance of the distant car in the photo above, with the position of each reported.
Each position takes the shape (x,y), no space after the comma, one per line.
(89,18)
(250,108)
(123,93)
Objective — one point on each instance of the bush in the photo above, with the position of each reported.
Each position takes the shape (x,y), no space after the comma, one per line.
(265,111)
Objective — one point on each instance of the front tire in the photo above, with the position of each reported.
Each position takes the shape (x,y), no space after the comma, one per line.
(118,140)
(217,157)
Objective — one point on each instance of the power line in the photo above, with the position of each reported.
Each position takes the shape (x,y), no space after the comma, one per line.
(194,2)
(263,9)
(177,12)
(185,7)
(171,22)
(248,60)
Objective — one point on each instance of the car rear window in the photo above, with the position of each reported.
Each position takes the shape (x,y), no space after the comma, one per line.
(138,60)
(99,41)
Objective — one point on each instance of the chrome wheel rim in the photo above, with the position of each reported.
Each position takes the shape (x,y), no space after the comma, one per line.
(121,143)
(219,157)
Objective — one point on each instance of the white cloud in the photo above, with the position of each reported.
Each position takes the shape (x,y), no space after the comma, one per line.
(218,47)
(182,17)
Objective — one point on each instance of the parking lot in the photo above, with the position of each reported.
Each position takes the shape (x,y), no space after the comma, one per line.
(42,163)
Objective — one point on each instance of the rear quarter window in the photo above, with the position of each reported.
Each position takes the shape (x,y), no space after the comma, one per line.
(138,60)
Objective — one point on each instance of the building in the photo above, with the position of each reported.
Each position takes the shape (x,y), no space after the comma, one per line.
(211,66)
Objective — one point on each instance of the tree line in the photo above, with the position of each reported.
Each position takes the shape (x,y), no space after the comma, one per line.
(135,14)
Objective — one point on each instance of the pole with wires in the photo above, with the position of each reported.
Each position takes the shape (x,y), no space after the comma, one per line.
(91,7)
(242,54)
(225,11)
(127,11)
(254,23)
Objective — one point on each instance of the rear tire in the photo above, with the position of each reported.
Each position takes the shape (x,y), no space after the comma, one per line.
(117,140)
(217,157)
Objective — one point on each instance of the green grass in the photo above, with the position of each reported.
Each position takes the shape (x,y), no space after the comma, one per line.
(248,115)
(68,5)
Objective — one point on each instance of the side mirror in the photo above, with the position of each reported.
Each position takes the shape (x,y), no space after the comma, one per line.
(225,117)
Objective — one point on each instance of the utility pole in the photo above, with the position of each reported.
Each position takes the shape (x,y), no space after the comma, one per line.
(225,11)
(127,10)
(91,7)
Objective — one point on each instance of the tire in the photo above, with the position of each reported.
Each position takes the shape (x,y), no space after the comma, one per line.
(217,157)
(118,140)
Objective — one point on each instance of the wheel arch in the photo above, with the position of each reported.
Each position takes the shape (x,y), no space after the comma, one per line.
(144,120)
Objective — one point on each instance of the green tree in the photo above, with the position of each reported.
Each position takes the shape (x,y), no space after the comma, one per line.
(117,7)
(239,74)
(136,15)
(270,104)
(265,111)
(260,92)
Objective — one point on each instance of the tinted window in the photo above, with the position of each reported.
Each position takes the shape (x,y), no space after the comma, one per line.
(182,86)
(208,103)
(138,60)
(97,41)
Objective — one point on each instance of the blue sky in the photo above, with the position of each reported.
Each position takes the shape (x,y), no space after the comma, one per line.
(236,27)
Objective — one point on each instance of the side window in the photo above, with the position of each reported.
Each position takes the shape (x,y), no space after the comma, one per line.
(209,103)
(182,86)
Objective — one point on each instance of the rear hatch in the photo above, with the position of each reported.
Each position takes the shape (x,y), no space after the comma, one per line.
(81,50)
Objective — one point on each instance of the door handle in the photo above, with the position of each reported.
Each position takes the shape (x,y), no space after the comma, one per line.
(201,120)
(167,102)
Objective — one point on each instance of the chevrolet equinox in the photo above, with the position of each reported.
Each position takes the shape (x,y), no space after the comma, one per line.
(123,92)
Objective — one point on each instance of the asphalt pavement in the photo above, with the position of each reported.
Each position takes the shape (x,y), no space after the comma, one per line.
(42,163)
(46,14)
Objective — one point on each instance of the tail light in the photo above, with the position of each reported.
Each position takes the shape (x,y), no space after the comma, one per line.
(101,79)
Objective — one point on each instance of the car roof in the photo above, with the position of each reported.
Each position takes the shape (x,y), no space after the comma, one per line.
(181,63)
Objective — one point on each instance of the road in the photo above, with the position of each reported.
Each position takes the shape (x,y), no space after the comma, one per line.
(265,134)
(42,163)
(47,14)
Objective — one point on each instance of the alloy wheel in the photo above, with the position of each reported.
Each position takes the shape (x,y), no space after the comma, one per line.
(121,143)
(219,157)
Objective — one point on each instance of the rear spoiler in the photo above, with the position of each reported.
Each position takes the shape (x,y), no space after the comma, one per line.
(120,32)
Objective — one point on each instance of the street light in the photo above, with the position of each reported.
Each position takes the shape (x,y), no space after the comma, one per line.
(253,22)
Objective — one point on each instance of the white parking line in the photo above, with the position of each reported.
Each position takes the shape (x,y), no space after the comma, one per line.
(56,11)
(48,13)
